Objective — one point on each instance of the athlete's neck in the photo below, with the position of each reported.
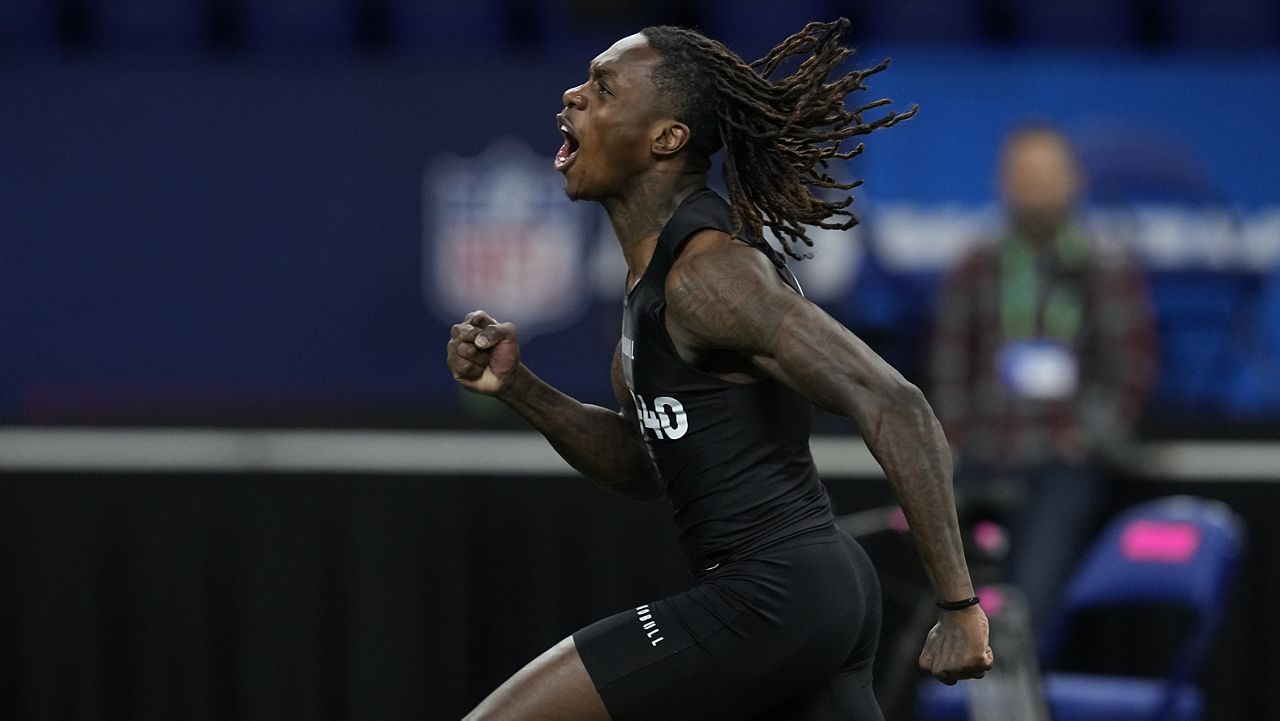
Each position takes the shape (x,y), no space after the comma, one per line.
(638,215)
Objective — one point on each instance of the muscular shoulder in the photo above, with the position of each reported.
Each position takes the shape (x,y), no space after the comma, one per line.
(726,294)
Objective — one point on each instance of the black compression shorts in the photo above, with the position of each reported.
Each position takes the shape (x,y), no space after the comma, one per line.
(788,634)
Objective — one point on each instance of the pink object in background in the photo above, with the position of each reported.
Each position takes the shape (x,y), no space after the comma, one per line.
(1160,541)
(990,537)
(992,600)
(898,521)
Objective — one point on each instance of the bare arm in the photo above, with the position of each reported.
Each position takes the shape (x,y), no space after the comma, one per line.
(601,444)
(724,295)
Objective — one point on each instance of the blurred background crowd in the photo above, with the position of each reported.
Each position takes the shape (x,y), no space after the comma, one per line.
(266,214)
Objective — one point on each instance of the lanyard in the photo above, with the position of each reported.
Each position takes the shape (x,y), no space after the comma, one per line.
(1028,295)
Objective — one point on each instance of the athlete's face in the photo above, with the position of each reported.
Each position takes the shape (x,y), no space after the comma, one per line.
(609,122)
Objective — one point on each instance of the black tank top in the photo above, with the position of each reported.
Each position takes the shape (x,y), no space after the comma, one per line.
(735,456)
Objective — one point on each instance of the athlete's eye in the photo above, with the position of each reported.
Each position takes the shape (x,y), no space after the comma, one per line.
(600,88)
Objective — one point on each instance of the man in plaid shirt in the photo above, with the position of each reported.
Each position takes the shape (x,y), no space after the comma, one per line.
(1044,351)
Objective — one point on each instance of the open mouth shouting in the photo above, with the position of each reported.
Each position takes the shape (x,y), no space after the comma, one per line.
(568,151)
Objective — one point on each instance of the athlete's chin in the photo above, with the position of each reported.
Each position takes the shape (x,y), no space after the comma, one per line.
(571,192)
(577,190)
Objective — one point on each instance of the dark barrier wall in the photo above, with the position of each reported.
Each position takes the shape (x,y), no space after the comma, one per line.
(308,598)
(335,597)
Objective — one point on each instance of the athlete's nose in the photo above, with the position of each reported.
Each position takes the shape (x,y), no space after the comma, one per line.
(573,97)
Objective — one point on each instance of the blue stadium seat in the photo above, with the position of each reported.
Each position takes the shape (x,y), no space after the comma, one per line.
(439,27)
(1177,551)
(150,27)
(925,21)
(300,27)
(27,29)
(1086,23)
(1224,24)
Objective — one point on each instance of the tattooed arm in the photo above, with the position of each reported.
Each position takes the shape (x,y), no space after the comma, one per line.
(723,295)
(601,444)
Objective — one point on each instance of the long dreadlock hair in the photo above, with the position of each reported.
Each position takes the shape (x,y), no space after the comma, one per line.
(779,135)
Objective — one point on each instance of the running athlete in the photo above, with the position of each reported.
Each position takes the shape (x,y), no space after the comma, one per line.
(720,362)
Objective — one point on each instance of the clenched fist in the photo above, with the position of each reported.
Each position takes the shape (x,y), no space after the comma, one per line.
(483,353)
(957,646)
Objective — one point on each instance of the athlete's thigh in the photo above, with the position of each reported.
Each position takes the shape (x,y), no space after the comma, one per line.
(688,657)
(553,687)
(749,637)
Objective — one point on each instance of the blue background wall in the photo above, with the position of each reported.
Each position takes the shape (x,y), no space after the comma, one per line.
(244,241)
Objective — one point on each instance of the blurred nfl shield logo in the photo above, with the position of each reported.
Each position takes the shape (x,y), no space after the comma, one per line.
(500,235)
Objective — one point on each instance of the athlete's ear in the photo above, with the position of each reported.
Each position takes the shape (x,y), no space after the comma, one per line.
(670,138)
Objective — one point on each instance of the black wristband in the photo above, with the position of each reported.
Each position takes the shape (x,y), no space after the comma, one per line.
(956,605)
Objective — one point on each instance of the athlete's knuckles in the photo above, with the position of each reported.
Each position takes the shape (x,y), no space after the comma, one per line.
(479,318)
